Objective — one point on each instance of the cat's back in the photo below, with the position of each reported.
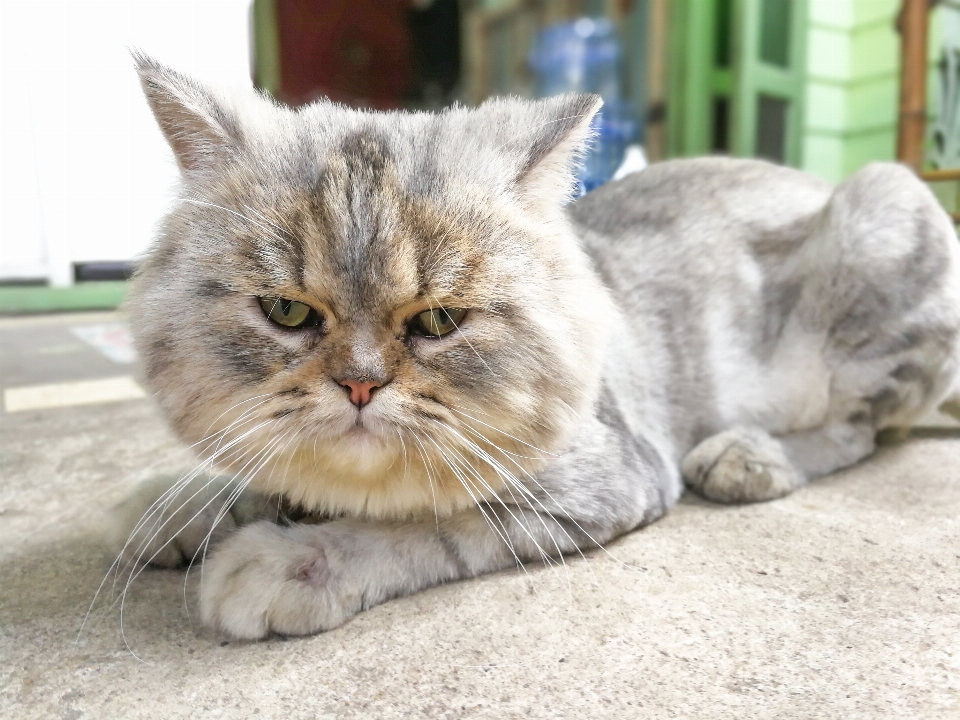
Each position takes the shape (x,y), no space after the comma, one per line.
(693,251)
(697,228)
(711,195)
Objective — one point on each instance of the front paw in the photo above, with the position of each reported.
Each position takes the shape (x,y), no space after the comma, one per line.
(740,465)
(167,523)
(268,579)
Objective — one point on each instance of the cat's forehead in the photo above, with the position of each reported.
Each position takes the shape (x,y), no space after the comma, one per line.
(420,154)
(370,225)
(392,199)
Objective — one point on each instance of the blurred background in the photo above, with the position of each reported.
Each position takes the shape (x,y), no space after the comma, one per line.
(822,85)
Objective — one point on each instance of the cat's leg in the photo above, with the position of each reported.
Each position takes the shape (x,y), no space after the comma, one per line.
(743,464)
(823,450)
(303,579)
(880,283)
(749,465)
(167,521)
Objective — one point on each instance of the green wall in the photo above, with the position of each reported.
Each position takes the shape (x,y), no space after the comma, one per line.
(852,92)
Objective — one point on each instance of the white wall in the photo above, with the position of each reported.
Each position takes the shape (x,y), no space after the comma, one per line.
(84,171)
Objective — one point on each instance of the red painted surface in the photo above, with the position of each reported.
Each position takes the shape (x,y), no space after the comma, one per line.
(353,51)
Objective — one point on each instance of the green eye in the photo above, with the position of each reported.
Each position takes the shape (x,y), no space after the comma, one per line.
(435,323)
(289,313)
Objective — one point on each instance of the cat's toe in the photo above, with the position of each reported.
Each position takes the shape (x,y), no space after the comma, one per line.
(740,465)
(266,579)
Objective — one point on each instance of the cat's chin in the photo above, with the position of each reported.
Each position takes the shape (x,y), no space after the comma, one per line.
(360,474)
(364,444)
(368,471)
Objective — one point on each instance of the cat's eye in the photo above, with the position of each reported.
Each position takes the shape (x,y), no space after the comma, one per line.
(436,323)
(289,313)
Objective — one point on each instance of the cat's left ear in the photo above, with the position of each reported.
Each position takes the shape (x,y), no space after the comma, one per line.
(200,129)
(557,133)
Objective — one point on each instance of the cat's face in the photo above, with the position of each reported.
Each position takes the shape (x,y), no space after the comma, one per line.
(379,314)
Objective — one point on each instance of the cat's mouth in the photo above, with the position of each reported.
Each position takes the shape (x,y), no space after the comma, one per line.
(359,430)
(362,430)
(367,422)
(361,441)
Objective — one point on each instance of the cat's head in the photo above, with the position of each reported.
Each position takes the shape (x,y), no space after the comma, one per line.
(376,313)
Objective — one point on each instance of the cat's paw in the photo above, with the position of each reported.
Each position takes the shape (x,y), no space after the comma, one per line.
(166,524)
(268,579)
(740,465)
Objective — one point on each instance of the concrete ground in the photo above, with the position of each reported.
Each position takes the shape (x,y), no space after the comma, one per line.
(839,601)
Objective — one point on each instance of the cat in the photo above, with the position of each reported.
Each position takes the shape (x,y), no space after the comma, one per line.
(417,361)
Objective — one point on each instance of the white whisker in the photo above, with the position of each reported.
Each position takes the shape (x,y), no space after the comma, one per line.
(427,467)
(467,485)
(512,437)
(269,452)
(239,215)
(511,484)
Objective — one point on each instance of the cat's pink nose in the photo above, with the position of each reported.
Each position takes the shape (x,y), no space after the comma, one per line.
(360,392)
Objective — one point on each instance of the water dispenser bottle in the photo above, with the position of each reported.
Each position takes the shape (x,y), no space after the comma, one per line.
(584,56)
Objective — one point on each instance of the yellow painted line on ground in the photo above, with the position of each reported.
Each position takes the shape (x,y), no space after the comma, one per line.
(85,392)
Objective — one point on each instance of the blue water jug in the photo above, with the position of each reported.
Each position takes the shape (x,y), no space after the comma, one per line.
(584,56)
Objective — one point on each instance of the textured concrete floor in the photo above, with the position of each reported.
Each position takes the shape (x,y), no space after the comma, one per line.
(840,601)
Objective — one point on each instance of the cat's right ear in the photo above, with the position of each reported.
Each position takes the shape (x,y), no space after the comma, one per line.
(201,132)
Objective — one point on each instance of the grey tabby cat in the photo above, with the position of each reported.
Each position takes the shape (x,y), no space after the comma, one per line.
(396,323)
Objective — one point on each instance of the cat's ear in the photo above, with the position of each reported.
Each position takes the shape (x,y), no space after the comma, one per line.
(557,132)
(200,130)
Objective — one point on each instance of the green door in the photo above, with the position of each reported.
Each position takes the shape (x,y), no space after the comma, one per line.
(736,78)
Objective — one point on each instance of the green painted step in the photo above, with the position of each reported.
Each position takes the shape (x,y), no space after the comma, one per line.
(83,296)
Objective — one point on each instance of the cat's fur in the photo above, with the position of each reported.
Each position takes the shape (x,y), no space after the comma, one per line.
(743,322)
